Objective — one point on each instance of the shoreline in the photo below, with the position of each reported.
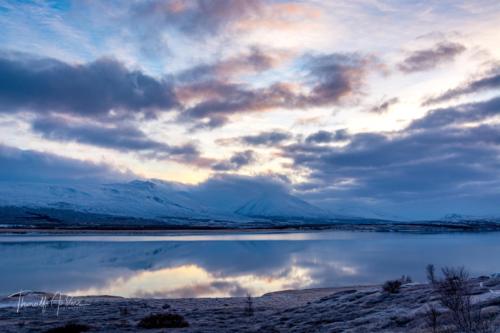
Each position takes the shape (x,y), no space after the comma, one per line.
(404,227)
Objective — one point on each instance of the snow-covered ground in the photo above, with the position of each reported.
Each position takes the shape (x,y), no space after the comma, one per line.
(348,309)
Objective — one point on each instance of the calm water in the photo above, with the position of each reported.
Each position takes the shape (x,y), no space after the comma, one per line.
(225,265)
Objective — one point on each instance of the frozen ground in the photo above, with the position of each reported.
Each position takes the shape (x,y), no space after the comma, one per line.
(353,309)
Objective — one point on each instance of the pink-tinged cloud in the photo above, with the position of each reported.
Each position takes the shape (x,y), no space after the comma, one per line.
(281,16)
(256,60)
(197,17)
(330,79)
(426,59)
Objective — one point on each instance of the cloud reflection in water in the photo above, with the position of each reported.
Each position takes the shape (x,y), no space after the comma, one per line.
(232,268)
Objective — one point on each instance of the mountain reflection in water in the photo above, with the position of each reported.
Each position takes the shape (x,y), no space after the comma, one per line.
(231,265)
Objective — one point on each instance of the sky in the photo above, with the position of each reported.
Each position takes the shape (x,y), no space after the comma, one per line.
(355,106)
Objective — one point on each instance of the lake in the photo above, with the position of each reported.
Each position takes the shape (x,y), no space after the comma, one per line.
(231,264)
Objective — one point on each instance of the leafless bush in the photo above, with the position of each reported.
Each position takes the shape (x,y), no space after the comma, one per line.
(249,306)
(455,293)
(392,286)
(405,279)
(431,317)
(430,273)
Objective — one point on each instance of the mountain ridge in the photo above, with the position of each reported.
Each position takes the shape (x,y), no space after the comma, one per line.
(152,199)
(155,202)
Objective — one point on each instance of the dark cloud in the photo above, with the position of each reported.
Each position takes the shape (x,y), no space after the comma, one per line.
(460,114)
(19,165)
(236,161)
(266,138)
(254,61)
(384,106)
(122,138)
(221,100)
(335,76)
(233,191)
(330,79)
(196,18)
(103,88)
(427,162)
(239,99)
(489,82)
(106,89)
(430,58)
(211,123)
(327,137)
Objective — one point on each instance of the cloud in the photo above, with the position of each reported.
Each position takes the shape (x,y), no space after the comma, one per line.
(335,76)
(384,106)
(255,60)
(330,79)
(430,163)
(237,161)
(232,191)
(223,22)
(465,113)
(104,88)
(490,81)
(222,100)
(196,18)
(122,138)
(19,165)
(327,137)
(426,59)
(271,138)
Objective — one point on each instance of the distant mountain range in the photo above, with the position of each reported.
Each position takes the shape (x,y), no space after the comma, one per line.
(139,202)
(158,200)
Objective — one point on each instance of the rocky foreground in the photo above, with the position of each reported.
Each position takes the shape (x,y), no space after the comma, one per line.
(355,309)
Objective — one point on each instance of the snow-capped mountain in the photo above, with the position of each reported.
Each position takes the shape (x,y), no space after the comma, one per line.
(135,199)
(159,200)
(284,206)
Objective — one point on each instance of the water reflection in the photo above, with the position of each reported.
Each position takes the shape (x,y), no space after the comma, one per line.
(180,267)
(194,281)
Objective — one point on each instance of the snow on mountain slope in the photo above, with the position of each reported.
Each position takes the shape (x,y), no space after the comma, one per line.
(134,199)
(245,196)
(279,206)
(161,200)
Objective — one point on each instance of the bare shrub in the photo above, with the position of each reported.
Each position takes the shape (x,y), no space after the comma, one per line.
(405,279)
(431,317)
(249,305)
(455,293)
(392,286)
(430,273)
